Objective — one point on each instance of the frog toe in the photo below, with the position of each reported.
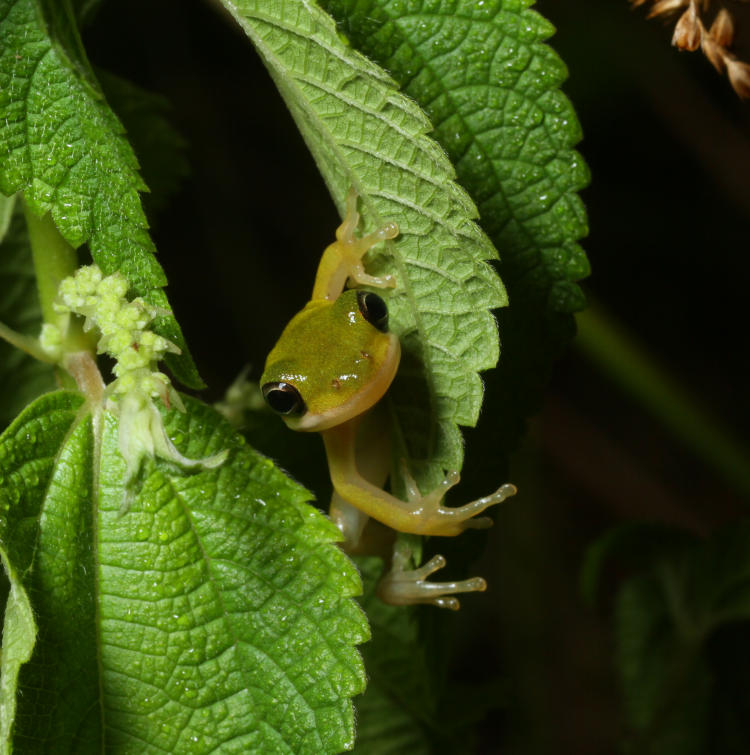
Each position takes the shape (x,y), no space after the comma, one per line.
(403,587)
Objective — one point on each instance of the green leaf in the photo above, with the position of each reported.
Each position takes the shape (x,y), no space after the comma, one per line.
(85,10)
(490,86)
(66,150)
(411,704)
(397,713)
(19,636)
(672,622)
(635,545)
(26,459)
(22,378)
(665,682)
(385,727)
(213,614)
(364,133)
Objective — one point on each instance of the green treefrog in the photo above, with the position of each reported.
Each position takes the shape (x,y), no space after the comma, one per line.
(331,366)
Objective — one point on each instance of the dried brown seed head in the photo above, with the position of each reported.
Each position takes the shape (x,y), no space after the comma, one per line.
(665,7)
(690,34)
(739,77)
(722,29)
(715,53)
(688,31)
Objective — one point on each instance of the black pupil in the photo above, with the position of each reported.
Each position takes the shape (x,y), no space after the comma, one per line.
(373,309)
(283,398)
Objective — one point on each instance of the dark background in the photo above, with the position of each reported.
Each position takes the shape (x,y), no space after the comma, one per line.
(666,140)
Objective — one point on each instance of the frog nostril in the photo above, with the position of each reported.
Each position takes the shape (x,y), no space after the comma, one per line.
(283,398)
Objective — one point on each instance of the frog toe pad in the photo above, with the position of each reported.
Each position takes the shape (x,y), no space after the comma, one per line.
(403,587)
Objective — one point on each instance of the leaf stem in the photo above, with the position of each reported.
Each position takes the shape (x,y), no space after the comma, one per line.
(82,366)
(622,359)
(7,205)
(54,260)
(29,344)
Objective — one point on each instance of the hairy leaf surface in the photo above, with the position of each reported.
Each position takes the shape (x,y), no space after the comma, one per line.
(364,133)
(212,614)
(19,636)
(66,150)
(490,86)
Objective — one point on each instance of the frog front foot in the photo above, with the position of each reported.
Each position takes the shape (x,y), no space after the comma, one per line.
(405,587)
(431,518)
(353,248)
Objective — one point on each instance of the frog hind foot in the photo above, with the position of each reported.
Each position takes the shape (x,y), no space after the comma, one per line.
(436,519)
(405,587)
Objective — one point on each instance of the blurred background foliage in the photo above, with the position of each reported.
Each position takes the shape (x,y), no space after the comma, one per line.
(667,143)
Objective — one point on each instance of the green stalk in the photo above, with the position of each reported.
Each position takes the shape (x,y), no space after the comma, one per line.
(6,214)
(54,260)
(611,349)
(29,344)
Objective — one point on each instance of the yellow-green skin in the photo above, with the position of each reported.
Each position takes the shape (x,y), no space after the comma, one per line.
(342,365)
(339,362)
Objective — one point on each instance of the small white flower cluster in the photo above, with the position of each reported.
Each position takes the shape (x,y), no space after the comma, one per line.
(125,336)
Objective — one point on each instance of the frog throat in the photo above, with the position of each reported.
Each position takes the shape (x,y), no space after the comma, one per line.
(359,402)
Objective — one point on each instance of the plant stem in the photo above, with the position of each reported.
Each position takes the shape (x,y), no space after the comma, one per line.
(633,369)
(82,366)
(29,344)
(6,213)
(54,260)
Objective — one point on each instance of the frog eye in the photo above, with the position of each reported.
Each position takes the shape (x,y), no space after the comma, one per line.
(373,309)
(283,398)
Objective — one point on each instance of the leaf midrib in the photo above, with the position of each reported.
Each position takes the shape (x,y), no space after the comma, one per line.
(237,642)
(456,112)
(288,84)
